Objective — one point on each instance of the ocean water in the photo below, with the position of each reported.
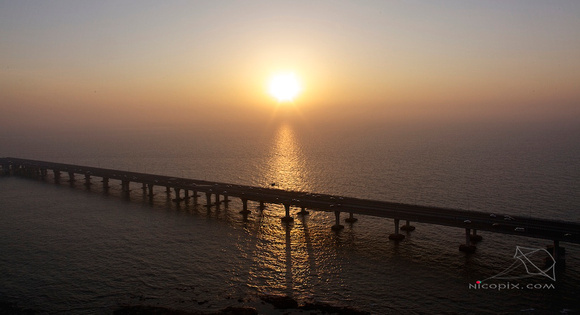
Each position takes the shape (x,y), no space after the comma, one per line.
(67,249)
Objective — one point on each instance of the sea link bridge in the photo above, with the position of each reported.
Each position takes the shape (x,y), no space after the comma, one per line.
(216,193)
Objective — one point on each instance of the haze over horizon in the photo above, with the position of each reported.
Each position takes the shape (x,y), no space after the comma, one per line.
(148,64)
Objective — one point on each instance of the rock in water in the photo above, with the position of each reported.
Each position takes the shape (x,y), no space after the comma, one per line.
(238,310)
(279,301)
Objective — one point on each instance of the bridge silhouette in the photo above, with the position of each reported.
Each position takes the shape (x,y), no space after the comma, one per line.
(216,193)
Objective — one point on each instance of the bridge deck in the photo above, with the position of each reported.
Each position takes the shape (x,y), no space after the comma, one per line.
(486,221)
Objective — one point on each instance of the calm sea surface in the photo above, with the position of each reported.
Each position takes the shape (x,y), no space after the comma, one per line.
(67,249)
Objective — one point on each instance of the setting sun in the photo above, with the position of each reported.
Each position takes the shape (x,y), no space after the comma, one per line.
(284,87)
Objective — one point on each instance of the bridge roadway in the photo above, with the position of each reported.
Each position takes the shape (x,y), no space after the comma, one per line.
(469,220)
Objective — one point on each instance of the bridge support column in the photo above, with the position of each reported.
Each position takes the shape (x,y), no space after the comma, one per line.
(396,236)
(262,206)
(195,197)
(208,199)
(125,187)
(88,180)
(56,176)
(5,169)
(43,173)
(150,190)
(351,218)
(407,227)
(71,177)
(226,199)
(217,200)
(105,183)
(23,170)
(186,195)
(168,191)
(467,247)
(337,226)
(474,237)
(245,210)
(558,253)
(303,211)
(287,218)
(177,194)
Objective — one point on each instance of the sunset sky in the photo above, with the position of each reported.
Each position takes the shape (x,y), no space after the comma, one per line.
(161,63)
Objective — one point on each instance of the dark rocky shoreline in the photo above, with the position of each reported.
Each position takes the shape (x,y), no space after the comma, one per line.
(278,304)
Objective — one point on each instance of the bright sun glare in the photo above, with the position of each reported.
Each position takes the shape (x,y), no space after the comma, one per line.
(284,87)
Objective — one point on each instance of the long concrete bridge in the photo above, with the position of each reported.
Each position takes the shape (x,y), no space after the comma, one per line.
(185,189)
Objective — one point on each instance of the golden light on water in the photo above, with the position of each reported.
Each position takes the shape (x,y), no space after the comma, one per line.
(285,87)
(285,257)
(286,165)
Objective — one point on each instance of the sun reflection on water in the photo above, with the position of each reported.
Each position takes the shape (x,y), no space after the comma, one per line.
(284,259)
(286,167)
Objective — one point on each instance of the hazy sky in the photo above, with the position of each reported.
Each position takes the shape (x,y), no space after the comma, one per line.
(159,63)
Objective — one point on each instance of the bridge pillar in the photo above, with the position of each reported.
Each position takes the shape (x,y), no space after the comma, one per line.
(71,177)
(56,176)
(105,183)
(88,180)
(337,226)
(351,218)
(467,247)
(208,199)
(407,227)
(43,173)
(303,211)
(177,194)
(262,206)
(168,191)
(125,185)
(186,195)
(6,169)
(195,197)
(474,237)
(245,210)
(396,236)
(287,218)
(558,253)
(226,199)
(22,170)
(150,190)
(217,199)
